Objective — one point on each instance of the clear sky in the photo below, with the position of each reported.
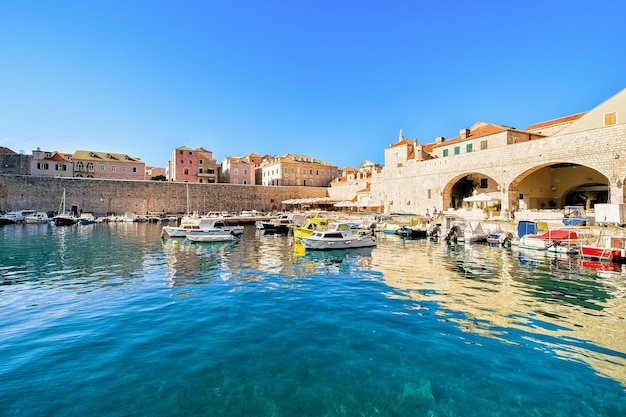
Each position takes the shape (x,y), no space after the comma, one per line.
(332,79)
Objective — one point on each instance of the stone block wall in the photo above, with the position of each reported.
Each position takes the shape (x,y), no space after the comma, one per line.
(110,197)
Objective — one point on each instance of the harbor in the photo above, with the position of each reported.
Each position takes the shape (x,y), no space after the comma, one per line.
(111,319)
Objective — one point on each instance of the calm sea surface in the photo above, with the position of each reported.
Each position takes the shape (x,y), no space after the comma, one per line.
(110,320)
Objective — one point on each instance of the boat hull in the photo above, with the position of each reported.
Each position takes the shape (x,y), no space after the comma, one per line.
(64,220)
(332,244)
(603,254)
(197,236)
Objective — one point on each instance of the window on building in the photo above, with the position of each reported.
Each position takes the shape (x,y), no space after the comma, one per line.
(236,181)
(236,171)
(42,165)
(483,145)
(310,172)
(90,167)
(429,194)
(79,166)
(468,147)
(199,161)
(190,162)
(102,168)
(60,167)
(113,168)
(245,172)
(182,161)
(180,152)
(483,183)
(134,169)
(317,172)
(186,171)
(445,153)
(457,150)
(610,119)
(200,171)
(210,171)
(124,169)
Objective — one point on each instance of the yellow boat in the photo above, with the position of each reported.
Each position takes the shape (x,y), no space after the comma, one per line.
(309,226)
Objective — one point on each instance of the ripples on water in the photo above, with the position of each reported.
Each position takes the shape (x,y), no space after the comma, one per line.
(109,320)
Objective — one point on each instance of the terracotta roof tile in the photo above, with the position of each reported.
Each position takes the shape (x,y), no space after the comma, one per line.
(555,122)
(488,129)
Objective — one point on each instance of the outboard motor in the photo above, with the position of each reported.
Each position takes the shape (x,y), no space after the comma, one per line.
(505,239)
(435,232)
(453,234)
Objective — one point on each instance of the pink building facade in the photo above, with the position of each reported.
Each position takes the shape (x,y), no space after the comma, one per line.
(192,165)
(51,164)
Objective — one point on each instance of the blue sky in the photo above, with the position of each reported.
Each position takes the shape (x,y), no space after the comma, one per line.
(335,80)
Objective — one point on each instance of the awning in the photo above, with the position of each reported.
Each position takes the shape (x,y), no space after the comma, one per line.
(318,200)
(482,197)
(345,204)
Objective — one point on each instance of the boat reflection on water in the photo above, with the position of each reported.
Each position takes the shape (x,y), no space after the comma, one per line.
(342,260)
(560,304)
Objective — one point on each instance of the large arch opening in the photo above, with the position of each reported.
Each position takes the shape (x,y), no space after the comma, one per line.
(553,186)
(469,184)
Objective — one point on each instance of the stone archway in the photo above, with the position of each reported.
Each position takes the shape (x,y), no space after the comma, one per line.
(554,185)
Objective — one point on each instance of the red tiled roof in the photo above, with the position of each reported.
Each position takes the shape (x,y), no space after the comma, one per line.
(57,157)
(555,122)
(485,130)
(400,143)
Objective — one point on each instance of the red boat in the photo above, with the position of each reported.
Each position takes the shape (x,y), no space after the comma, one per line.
(608,248)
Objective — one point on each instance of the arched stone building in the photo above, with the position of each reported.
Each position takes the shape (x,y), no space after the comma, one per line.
(542,166)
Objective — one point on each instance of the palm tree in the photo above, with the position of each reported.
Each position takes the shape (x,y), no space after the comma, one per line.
(589,196)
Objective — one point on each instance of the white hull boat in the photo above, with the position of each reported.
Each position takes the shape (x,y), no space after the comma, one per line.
(338,235)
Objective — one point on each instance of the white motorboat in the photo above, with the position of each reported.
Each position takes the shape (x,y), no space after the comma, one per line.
(39,217)
(338,235)
(187,223)
(213,229)
(211,225)
(18,216)
(280,224)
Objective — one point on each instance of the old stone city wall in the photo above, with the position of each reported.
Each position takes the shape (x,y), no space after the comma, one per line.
(420,185)
(103,197)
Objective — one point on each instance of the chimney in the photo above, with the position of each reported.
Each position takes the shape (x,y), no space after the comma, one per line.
(439,139)
(464,133)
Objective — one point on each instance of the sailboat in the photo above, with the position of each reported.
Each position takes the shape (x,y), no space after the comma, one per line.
(63,218)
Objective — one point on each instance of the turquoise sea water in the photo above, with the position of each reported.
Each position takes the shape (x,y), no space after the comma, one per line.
(110,320)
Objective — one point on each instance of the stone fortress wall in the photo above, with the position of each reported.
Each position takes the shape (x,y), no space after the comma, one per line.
(103,197)
(421,185)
